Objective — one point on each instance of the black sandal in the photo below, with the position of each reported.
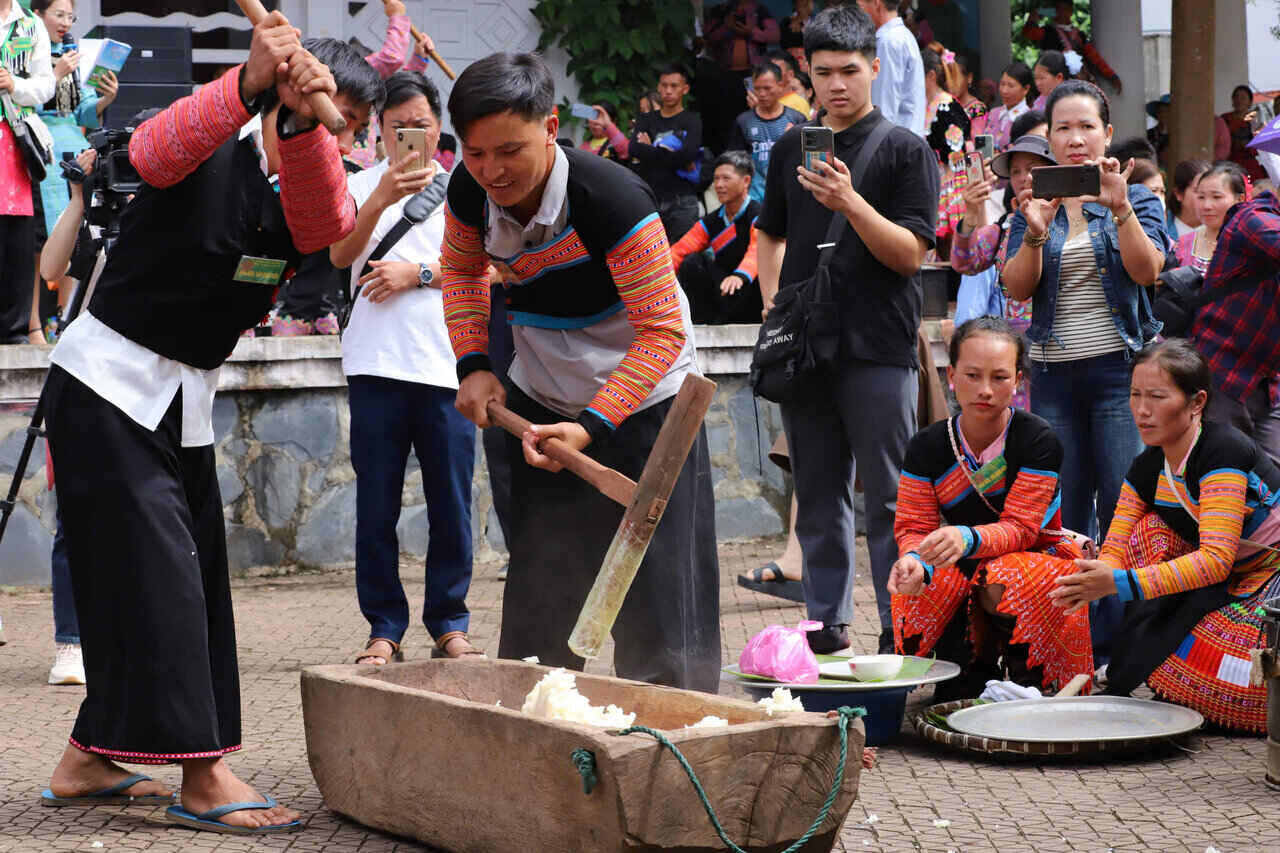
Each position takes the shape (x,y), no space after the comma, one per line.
(779,585)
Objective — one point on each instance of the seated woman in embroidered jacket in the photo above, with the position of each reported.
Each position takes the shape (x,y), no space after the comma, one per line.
(202,247)
(978,527)
(1194,547)
(602,344)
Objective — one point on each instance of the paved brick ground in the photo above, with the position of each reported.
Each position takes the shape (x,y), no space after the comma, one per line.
(1169,802)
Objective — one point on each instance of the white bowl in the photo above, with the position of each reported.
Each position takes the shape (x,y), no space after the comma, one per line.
(875,667)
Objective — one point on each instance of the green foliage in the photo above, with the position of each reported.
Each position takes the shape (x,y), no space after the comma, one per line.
(1081,18)
(616,47)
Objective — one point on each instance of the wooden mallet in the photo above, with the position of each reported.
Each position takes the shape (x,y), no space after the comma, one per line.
(645,501)
(321,103)
(439,60)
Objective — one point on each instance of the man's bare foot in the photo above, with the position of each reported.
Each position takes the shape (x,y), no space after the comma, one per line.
(208,783)
(81,773)
(378,652)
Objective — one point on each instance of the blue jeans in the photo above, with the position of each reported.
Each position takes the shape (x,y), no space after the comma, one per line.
(1087,404)
(388,418)
(66,627)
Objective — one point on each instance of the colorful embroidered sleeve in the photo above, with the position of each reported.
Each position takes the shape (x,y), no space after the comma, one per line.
(918,514)
(619,141)
(694,240)
(417,62)
(465,283)
(1029,504)
(395,47)
(641,268)
(313,190)
(1130,509)
(747,266)
(171,145)
(1221,516)
(975,252)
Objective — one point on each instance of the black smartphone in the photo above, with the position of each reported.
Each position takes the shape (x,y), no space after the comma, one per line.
(1065,181)
(985,144)
(817,143)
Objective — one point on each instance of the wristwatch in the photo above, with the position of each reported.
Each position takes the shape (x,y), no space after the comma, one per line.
(425,276)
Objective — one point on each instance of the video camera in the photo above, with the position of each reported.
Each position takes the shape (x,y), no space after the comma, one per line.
(113,181)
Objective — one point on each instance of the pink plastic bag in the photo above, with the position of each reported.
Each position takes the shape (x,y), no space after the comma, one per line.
(782,654)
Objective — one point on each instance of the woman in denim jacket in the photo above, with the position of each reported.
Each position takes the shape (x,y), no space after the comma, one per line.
(1084,262)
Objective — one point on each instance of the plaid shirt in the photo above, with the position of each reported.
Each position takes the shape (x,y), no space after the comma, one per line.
(1240,334)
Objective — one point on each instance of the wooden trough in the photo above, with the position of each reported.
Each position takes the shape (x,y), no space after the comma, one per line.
(424,750)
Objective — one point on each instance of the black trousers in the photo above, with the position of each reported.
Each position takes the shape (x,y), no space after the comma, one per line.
(17,272)
(700,278)
(668,631)
(147,548)
(315,290)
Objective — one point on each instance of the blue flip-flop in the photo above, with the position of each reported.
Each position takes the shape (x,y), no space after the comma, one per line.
(110,796)
(208,821)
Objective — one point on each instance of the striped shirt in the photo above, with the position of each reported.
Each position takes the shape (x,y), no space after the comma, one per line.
(1082,324)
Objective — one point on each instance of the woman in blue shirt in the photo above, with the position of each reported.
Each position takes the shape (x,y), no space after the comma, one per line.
(74,105)
(1084,262)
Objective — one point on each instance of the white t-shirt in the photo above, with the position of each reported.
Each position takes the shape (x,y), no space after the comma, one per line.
(404,337)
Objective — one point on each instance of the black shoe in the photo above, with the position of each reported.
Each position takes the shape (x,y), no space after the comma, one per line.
(886,642)
(829,640)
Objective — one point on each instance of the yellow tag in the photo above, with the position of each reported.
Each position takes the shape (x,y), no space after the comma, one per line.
(253,270)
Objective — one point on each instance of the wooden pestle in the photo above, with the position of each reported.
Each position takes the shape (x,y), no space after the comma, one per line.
(326,113)
(439,60)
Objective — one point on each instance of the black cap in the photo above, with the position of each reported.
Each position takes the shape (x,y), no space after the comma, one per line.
(1029,144)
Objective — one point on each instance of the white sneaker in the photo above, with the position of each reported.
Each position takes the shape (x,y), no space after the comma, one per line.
(68,665)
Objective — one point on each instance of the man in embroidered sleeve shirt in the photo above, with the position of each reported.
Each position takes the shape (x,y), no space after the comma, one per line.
(130,398)
(721,284)
(603,342)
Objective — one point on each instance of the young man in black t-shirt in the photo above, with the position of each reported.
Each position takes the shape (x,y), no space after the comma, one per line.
(665,146)
(858,418)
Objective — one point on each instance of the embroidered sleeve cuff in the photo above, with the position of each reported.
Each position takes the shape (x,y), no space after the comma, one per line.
(746,277)
(1127,586)
(928,568)
(971,539)
(471,363)
(597,427)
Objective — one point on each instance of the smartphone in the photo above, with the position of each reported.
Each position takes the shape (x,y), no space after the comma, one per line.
(412,139)
(583,111)
(748,84)
(1065,181)
(973,167)
(985,144)
(817,143)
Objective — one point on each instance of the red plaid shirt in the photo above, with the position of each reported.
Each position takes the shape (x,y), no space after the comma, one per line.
(1240,334)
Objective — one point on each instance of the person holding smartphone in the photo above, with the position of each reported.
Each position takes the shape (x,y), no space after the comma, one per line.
(400,374)
(891,215)
(1084,263)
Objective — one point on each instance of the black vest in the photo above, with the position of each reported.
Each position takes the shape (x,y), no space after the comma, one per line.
(168,282)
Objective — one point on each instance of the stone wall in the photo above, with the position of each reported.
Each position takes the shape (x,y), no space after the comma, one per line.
(281,430)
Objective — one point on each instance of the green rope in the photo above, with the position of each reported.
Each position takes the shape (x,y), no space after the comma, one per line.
(585,762)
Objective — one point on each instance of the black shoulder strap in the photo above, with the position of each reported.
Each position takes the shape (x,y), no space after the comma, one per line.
(873,142)
(416,210)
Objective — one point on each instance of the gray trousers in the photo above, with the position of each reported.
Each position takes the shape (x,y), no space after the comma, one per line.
(854,423)
(1255,417)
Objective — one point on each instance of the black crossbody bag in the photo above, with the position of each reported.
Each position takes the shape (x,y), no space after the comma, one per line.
(416,210)
(1182,296)
(801,334)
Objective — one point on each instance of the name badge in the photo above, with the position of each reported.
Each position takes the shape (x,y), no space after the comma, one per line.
(253,270)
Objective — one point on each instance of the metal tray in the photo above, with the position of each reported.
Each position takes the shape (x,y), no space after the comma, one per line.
(1076,719)
(940,671)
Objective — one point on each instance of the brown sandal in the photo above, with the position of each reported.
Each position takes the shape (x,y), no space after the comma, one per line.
(396,654)
(443,643)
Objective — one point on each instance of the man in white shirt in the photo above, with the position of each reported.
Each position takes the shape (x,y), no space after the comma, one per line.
(898,90)
(402,382)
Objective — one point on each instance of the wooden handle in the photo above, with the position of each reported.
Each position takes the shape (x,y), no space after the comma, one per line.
(610,483)
(1073,686)
(326,113)
(439,60)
